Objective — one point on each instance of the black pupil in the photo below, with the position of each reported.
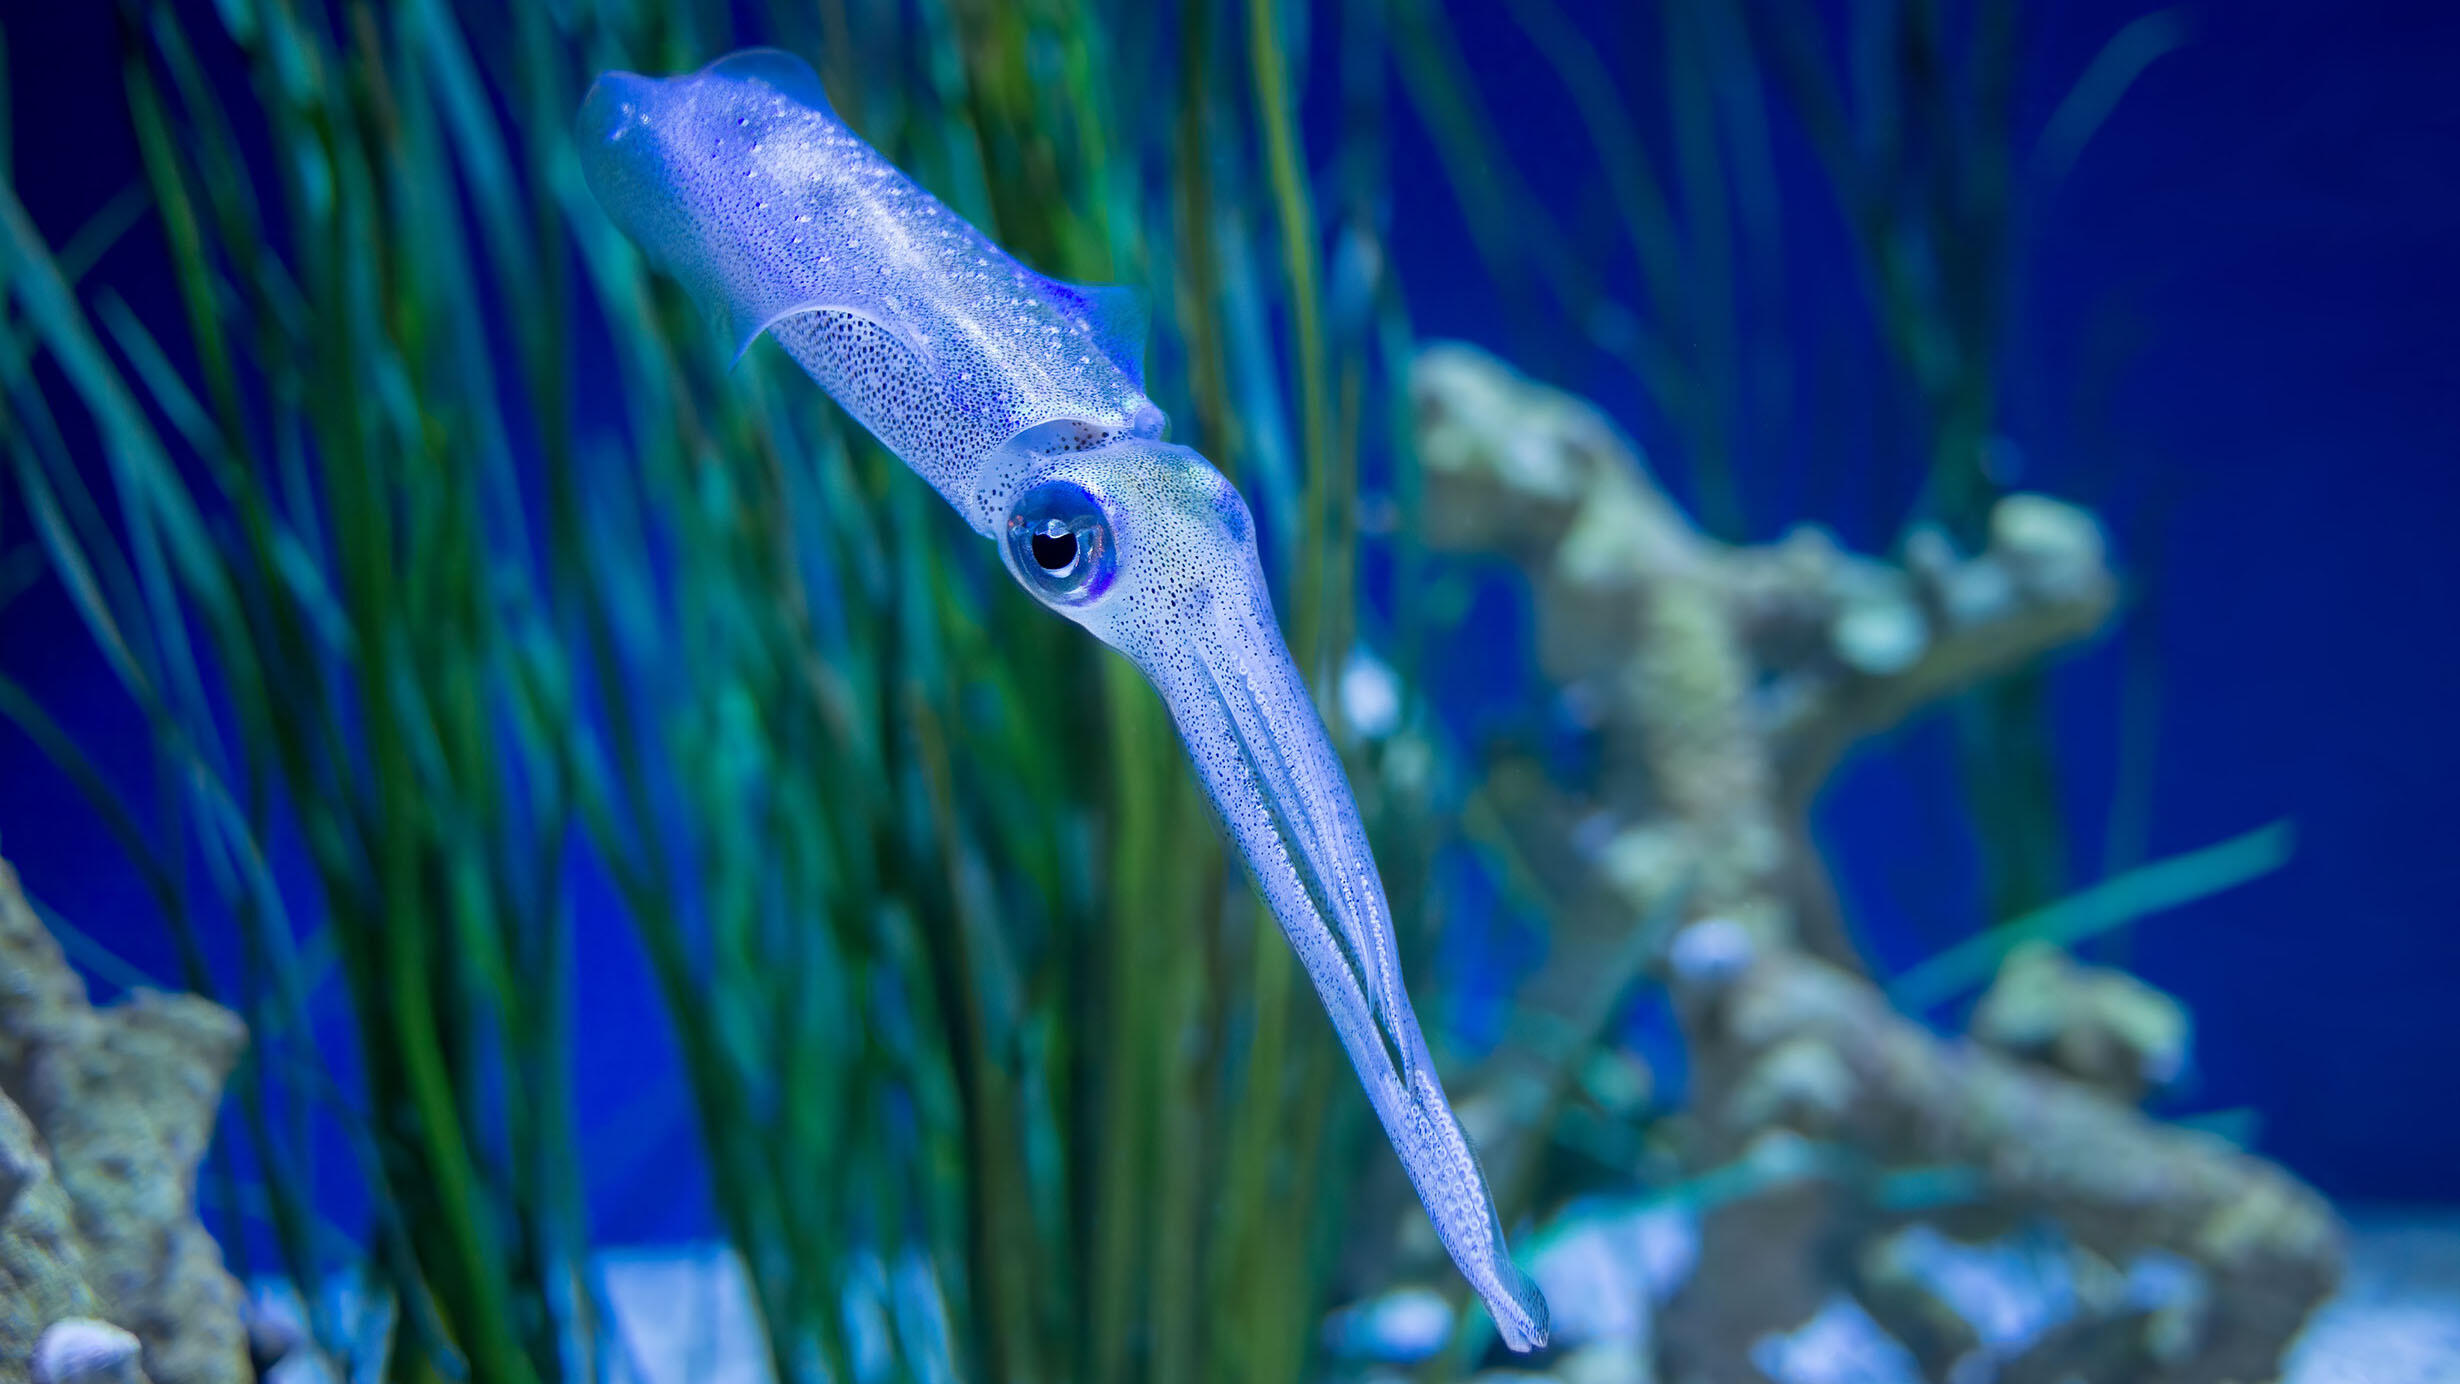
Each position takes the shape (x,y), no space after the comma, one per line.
(1054,552)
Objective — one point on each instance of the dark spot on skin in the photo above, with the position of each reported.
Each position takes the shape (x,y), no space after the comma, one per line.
(1054,553)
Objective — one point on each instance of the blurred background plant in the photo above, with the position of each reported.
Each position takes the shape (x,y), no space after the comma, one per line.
(991,1076)
(439,548)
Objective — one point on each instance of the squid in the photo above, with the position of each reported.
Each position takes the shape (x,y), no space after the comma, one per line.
(1020,399)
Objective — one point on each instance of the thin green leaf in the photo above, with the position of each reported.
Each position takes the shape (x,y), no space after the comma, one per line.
(2106,81)
(2110,904)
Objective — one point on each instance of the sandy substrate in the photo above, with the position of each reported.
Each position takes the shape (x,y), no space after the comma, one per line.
(683,1316)
(2397,1319)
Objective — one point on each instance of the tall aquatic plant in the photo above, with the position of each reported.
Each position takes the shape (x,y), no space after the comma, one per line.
(444,551)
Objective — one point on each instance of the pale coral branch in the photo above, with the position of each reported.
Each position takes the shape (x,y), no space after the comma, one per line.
(1724,683)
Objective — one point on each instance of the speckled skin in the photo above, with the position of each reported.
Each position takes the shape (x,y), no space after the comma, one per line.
(1018,398)
(742,182)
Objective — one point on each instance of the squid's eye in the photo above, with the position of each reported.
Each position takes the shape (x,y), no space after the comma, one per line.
(1060,540)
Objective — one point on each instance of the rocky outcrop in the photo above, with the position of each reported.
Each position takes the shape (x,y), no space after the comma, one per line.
(1721,684)
(2102,1027)
(104,1116)
(42,1258)
(1795,1048)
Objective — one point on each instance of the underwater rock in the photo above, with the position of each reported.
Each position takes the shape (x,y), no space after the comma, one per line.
(2028,1303)
(42,1260)
(80,1350)
(123,1099)
(1801,1084)
(1712,676)
(2105,1028)
(1722,684)
(2117,1183)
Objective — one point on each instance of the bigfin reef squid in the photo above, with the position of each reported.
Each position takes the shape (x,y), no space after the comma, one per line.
(1020,399)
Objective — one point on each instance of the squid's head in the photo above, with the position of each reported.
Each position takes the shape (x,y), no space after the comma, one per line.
(1149,547)
(1141,541)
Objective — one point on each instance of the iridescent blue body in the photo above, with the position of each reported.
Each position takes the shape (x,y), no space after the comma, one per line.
(1020,399)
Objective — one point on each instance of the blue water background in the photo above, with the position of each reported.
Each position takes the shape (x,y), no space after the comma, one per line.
(2236,338)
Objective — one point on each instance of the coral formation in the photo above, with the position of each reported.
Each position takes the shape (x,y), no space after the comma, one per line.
(2102,1027)
(42,1258)
(104,1115)
(1723,683)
